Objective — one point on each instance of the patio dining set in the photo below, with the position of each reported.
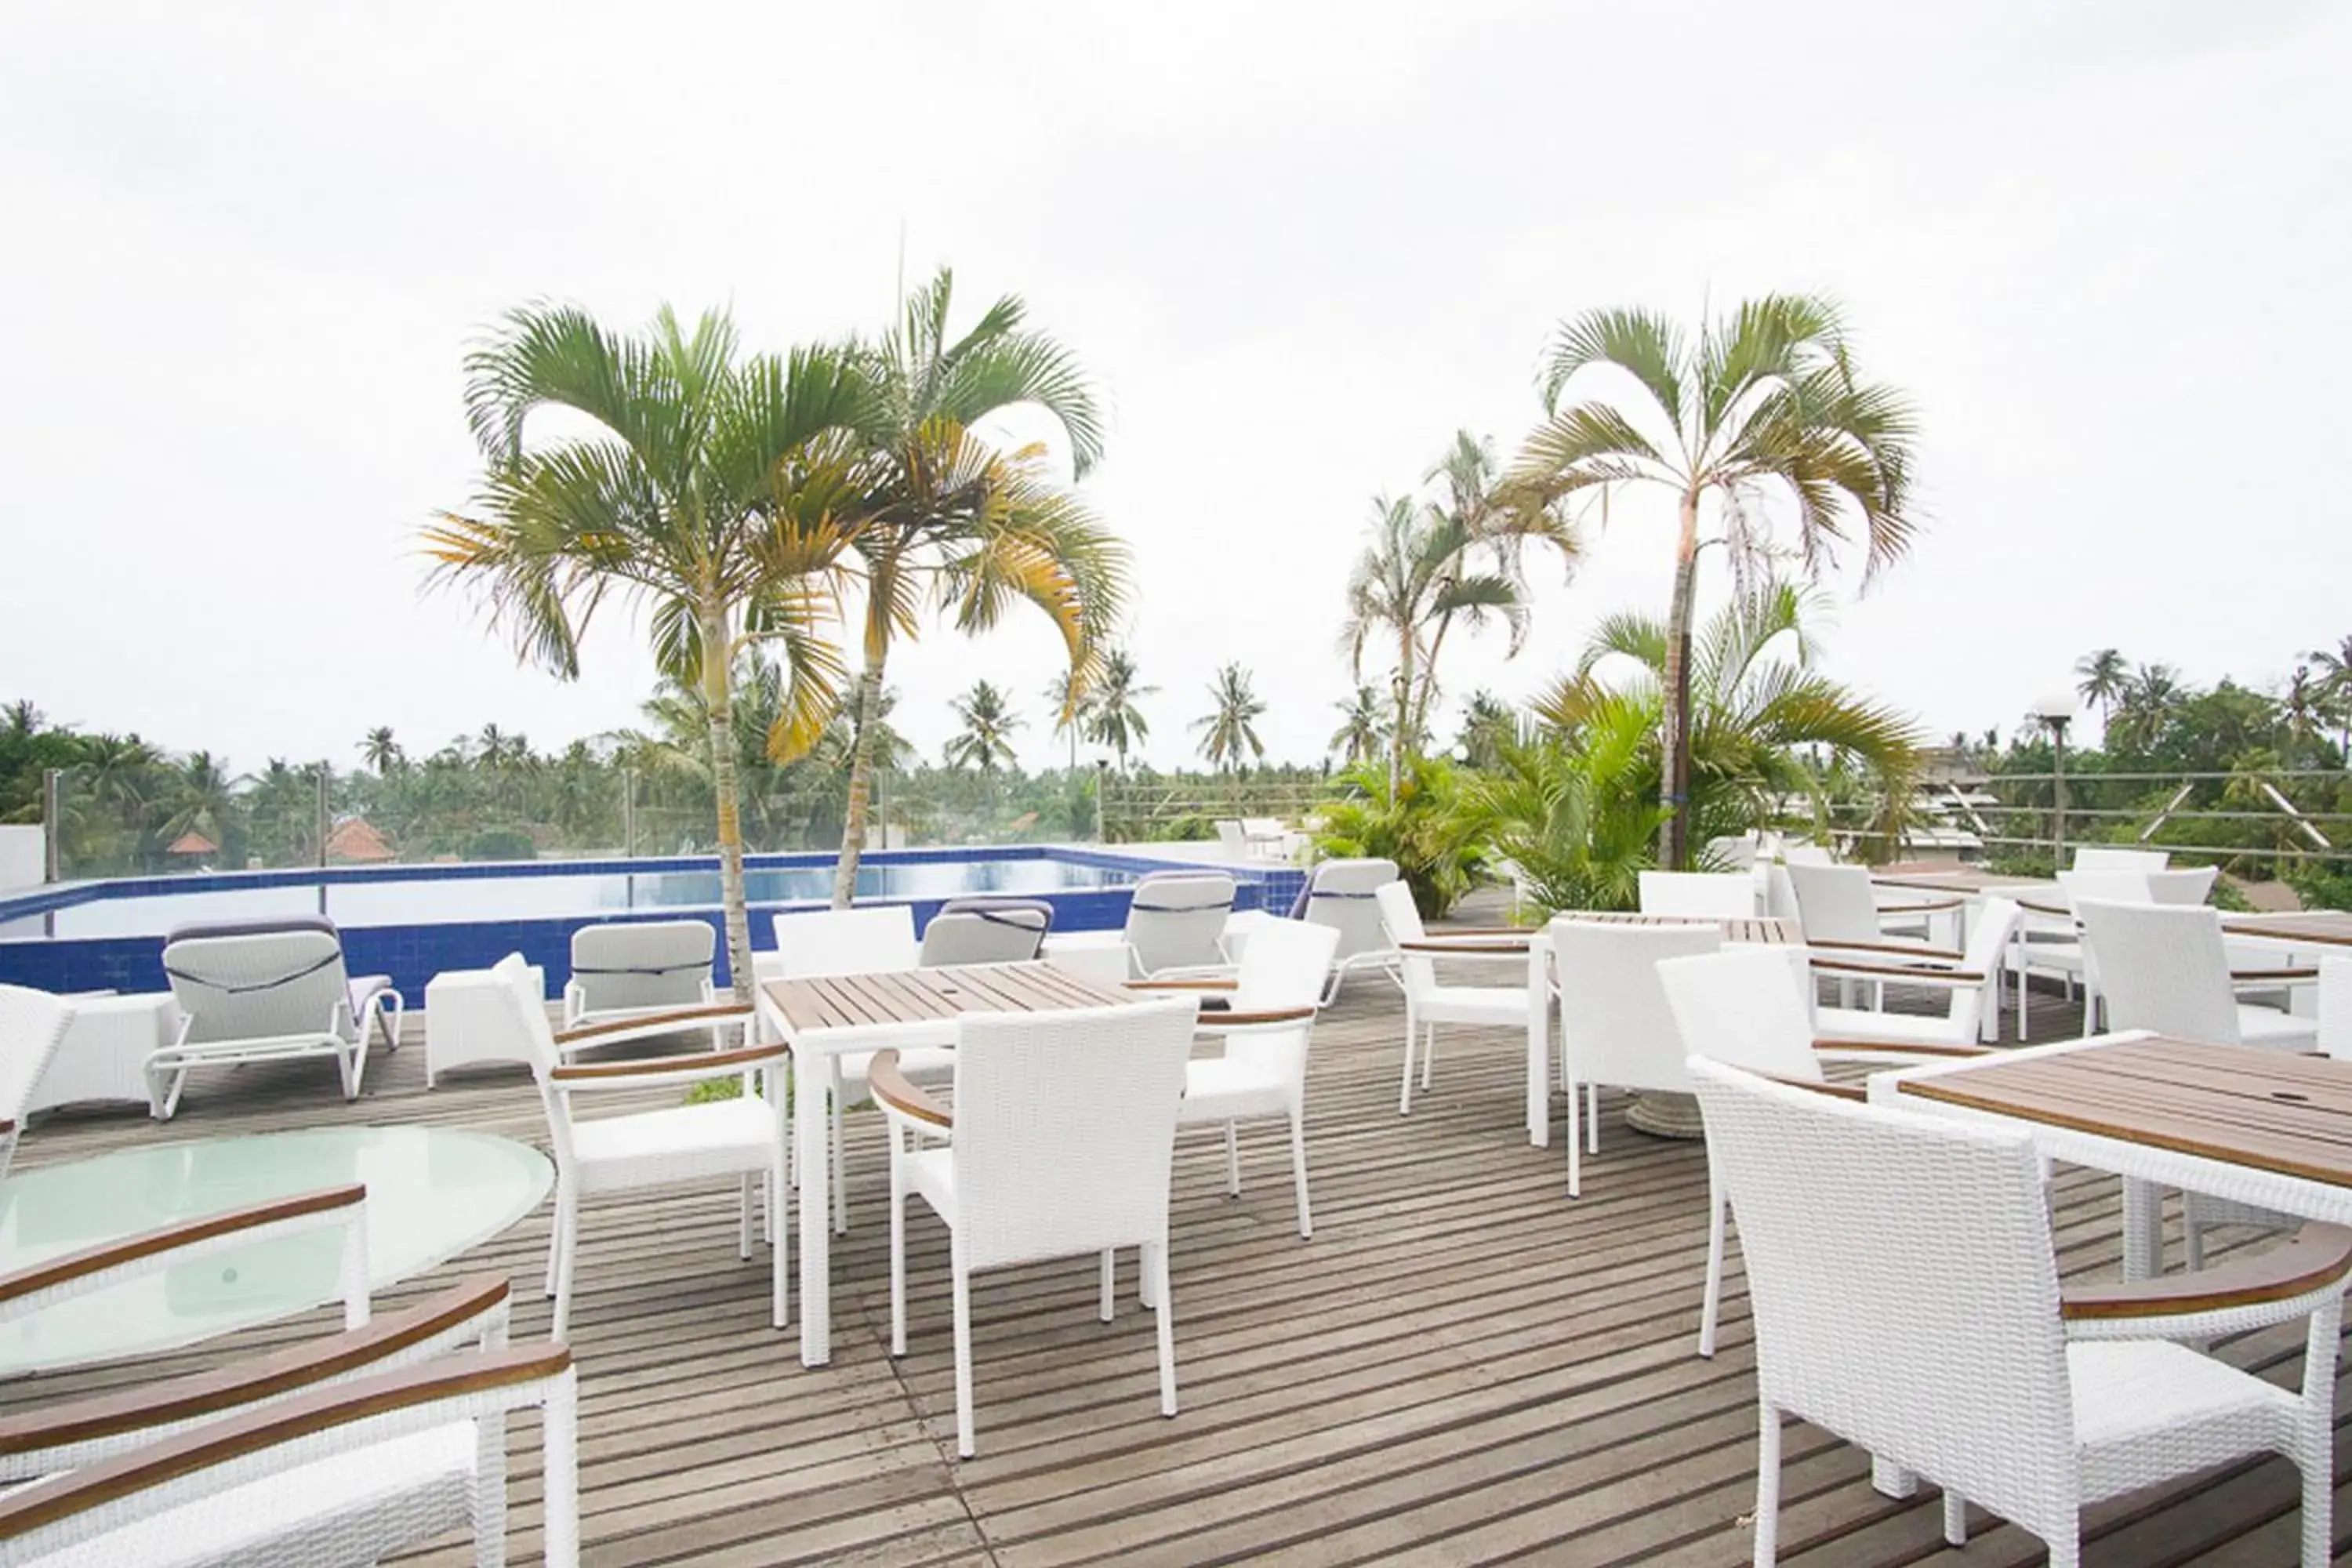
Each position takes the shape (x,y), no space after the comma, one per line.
(1826,1030)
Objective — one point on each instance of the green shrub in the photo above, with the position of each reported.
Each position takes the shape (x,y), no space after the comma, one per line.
(1435,841)
(2322,886)
(501,844)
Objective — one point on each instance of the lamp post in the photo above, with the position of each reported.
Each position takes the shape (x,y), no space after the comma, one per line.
(1102,783)
(2057,712)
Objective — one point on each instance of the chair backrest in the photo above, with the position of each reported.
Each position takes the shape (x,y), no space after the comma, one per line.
(1341,895)
(1780,894)
(2162,968)
(526,1016)
(1285,965)
(2114,885)
(1401,922)
(1230,835)
(1835,903)
(1903,1288)
(1989,937)
(633,964)
(862,939)
(1751,1006)
(1065,1129)
(1612,1009)
(1175,918)
(1723,895)
(2335,1007)
(987,930)
(1806,855)
(2189,885)
(1730,853)
(2093,857)
(32,1025)
(1261,827)
(254,981)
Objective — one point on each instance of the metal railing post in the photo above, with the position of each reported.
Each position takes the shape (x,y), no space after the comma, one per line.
(326,817)
(629,813)
(52,826)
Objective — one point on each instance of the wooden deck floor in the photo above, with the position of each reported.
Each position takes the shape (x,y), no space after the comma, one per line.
(1462,1366)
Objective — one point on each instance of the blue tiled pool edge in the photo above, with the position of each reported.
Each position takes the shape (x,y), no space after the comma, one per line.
(412,955)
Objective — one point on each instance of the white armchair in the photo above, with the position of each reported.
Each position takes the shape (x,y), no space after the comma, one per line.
(1429,1002)
(1615,1024)
(1059,1145)
(1971,990)
(744,1137)
(32,1025)
(2010,1393)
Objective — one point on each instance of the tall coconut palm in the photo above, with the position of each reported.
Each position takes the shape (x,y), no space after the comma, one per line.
(946,515)
(1114,719)
(1357,738)
(2104,676)
(380,751)
(203,800)
(1762,406)
(1411,583)
(2335,667)
(985,742)
(1072,706)
(707,493)
(1229,730)
(2147,700)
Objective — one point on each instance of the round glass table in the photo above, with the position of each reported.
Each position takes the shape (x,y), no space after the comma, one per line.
(432,1192)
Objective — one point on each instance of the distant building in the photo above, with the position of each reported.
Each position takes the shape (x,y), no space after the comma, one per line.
(356,841)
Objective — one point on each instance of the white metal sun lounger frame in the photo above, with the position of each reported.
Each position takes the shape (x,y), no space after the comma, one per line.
(249,994)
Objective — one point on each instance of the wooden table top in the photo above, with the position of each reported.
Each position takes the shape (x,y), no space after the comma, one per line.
(1947,878)
(1767,930)
(928,996)
(2321,928)
(2273,1110)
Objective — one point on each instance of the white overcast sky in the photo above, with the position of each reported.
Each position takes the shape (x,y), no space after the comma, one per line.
(2106,246)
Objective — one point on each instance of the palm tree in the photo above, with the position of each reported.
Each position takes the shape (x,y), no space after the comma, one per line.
(1114,720)
(988,723)
(2335,667)
(1764,403)
(1229,732)
(2301,705)
(707,494)
(1488,726)
(2104,675)
(942,509)
(1073,709)
(379,751)
(2146,701)
(1408,586)
(1360,729)
(203,800)
(24,719)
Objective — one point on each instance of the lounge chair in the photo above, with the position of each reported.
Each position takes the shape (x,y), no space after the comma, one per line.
(632,967)
(987,930)
(32,1023)
(1176,923)
(267,991)
(1340,894)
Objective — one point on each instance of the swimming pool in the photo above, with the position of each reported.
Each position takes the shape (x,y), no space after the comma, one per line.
(414,922)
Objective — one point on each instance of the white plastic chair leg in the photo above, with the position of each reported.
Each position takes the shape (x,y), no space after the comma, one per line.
(1956,1518)
(1592,1118)
(1716,1206)
(567,1249)
(1298,1172)
(1106,1306)
(780,1256)
(743,1216)
(1575,1140)
(1768,1487)
(963,1356)
(898,1251)
(1232,1161)
(2318,1505)
(1428,1054)
(1404,1090)
(1155,1262)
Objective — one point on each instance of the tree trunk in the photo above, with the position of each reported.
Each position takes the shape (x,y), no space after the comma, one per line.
(861,783)
(1673,772)
(1403,712)
(718,701)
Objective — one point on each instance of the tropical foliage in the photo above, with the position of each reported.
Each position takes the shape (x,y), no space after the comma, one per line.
(1422,825)
(1228,731)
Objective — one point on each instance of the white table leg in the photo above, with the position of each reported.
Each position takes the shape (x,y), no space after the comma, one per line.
(812,1145)
(1539,1044)
(2143,1229)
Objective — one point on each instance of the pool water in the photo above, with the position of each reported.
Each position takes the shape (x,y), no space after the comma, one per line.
(535,893)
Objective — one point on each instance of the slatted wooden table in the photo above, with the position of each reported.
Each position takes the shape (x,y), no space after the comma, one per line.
(2266,1127)
(829,1016)
(1767,931)
(1967,881)
(2308,930)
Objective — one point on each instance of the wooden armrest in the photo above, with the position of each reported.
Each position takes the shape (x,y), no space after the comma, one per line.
(1219,984)
(885,1082)
(1909,950)
(271,1425)
(252,1380)
(1852,1091)
(654,1024)
(114,1254)
(708,1062)
(1472,947)
(2316,1257)
(7,1127)
(1264,1015)
(1899,971)
(2243,976)
(1903,1047)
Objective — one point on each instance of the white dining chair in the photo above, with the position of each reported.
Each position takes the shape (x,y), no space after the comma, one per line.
(1971,990)
(33,1024)
(1429,1002)
(1615,1028)
(2101,857)
(1059,1144)
(2026,1399)
(744,1137)
(1838,907)
(1715,895)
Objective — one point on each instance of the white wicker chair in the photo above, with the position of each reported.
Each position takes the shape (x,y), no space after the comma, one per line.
(1615,1028)
(1972,991)
(1752,1006)
(2097,858)
(987,930)
(1176,924)
(32,1025)
(1906,1300)
(1428,1002)
(1059,1145)
(1839,907)
(628,967)
(1716,895)
(744,1137)
(268,991)
(1266,1023)
(2334,1020)
(1341,894)
(862,939)
(2189,885)
(402,1492)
